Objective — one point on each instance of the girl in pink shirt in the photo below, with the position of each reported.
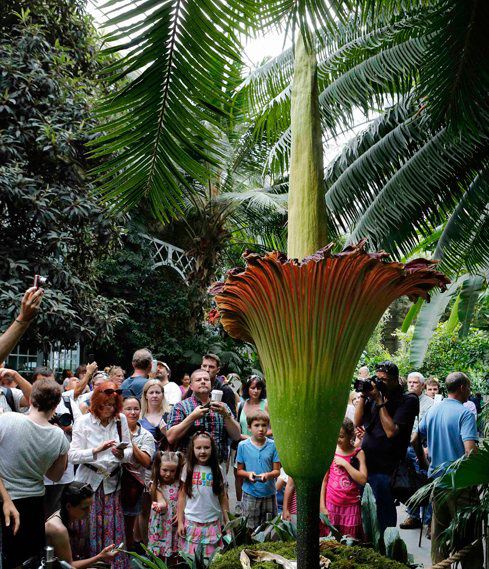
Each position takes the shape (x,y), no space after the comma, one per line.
(340,492)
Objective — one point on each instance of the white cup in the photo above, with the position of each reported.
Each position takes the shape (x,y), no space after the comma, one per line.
(216,395)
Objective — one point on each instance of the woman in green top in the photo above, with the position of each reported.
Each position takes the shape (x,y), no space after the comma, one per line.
(254,398)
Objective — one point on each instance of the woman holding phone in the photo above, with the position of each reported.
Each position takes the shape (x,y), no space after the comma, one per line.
(137,472)
(76,503)
(100,444)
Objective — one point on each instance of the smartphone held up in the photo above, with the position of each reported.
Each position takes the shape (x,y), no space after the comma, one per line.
(39,281)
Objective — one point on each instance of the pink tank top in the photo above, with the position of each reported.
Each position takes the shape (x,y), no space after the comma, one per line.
(341,488)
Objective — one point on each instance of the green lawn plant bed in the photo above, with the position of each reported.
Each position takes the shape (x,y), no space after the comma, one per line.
(342,556)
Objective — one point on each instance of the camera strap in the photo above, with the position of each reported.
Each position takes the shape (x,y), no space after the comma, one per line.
(9,397)
(67,403)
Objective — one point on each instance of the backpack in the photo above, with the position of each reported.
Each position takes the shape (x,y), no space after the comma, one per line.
(9,397)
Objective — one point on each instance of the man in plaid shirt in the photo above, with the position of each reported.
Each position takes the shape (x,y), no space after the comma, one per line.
(198,413)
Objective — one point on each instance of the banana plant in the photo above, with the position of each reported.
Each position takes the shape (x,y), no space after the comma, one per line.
(310,313)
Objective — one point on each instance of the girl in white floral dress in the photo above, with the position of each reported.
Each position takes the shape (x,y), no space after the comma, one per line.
(165,484)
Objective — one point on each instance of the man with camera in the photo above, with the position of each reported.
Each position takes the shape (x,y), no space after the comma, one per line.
(387,415)
(67,412)
(15,391)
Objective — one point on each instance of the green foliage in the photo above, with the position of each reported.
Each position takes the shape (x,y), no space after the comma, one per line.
(427,320)
(449,352)
(369,518)
(375,351)
(52,224)
(157,301)
(446,352)
(395,547)
(422,163)
(275,530)
(341,556)
(159,310)
(467,478)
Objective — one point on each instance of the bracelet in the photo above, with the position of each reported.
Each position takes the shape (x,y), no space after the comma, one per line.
(22,321)
(380,406)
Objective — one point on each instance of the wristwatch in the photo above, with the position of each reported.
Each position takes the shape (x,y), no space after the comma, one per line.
(381,405)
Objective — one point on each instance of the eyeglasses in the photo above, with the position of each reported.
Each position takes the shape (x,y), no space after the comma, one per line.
(112,391)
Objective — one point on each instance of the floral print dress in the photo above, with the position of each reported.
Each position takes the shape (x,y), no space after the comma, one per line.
(162,535)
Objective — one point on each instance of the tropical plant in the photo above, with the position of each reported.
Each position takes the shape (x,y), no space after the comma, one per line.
(466,290)
(467,474)
(234,210)
(448,352)
(298,313)
(310,315)
(275,530)
(419,171)
(52,224)
(390,543)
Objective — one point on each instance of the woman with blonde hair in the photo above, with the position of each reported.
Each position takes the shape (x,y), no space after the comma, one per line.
(116,374)
(155,409)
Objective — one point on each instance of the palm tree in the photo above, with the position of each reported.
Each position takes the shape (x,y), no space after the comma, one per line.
(420,171)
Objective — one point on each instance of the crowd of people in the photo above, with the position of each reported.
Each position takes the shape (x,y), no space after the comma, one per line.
(103,463)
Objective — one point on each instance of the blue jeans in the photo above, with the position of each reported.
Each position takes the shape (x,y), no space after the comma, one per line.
(386,509)
(416,512)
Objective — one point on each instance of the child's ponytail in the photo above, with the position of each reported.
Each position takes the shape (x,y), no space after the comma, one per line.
(164,456)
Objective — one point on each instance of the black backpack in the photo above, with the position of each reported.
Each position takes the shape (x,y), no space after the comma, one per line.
(9,396)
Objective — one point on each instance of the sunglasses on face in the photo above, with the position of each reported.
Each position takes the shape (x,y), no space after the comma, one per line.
(112,391)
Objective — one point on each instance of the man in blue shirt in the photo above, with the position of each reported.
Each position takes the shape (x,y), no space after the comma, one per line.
(259,466)
(451,432)
(141,362)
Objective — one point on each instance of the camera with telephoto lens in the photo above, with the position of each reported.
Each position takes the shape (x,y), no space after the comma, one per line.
(62,419)
(365,385)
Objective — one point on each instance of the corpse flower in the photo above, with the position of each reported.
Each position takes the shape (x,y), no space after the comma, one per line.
(310,319)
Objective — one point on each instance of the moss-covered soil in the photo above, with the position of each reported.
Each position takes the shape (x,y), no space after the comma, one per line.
(342,556)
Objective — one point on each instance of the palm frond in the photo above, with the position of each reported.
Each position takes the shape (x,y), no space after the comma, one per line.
(258,200)
(157,130)
(468,298)
(466,234)
(455,75)
(428,318)
(355,178)
(422,190)
(306,15)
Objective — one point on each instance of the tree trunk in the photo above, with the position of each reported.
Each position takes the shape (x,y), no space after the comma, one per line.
(308,493)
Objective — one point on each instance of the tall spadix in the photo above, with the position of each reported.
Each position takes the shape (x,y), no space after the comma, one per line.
(307,219)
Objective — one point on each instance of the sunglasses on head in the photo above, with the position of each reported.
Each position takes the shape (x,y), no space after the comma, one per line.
(112,391)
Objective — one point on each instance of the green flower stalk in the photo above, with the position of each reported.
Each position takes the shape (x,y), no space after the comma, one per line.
(307,218)
(310,319)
